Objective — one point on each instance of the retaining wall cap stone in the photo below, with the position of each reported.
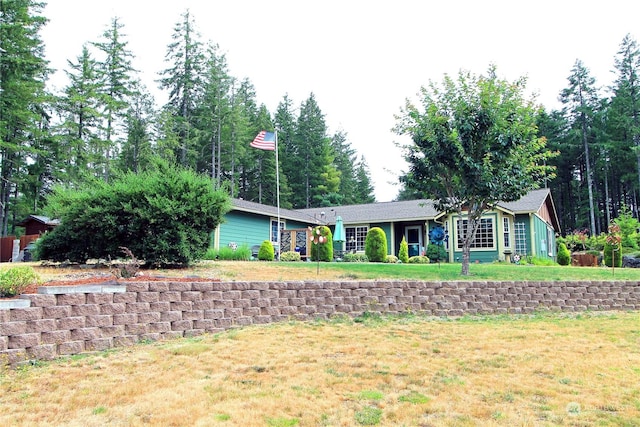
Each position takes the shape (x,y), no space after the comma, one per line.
(15,303)
(82,289)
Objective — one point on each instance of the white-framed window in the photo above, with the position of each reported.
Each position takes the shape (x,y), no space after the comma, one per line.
(550,246)
(506,232)
(274,229)
(520,232)
(355,238)
(485,236)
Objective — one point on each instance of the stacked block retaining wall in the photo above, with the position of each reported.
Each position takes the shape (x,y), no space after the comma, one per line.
(70,320)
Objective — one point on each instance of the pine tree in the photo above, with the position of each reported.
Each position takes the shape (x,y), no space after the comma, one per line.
(81,147)
(137,151)
(183,81)
(23,71)
(624,115)
(581,103)
(116,76)
(364,188)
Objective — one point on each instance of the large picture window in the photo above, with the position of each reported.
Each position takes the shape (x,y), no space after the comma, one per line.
(484,239)
(355,238)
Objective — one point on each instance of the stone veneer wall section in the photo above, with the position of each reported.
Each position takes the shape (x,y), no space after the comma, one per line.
(69,321)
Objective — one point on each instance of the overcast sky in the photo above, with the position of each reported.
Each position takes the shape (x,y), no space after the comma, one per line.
(361,59)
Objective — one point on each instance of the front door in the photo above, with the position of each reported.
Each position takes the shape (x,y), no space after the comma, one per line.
(413,234)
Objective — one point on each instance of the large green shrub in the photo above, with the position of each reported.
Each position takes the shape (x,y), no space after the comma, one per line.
(564,256)
(163,216)
(375,245)
(324,249)
(266,251)
(403,252)
(15,280)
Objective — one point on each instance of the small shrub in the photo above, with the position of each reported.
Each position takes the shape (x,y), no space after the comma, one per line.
(610,256)
(403,252)
(351,257)
(375,245)
(391,259)
(211,254)
(436,253)
(125,268)
(228,253)
(419,259)
(15,280)
(564,256)
(290,256)
(540,261)
(266,252)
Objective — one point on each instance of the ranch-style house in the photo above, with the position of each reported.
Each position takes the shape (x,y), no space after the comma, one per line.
(525,227)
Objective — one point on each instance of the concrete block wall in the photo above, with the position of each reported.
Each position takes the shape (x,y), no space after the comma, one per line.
(71,320)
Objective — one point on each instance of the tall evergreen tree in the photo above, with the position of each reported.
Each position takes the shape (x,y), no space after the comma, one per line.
(23,71)
(364,188)
(81,147)
(116,76)
(183,80)
(137,150)
(314,157)
(580,100)
(213,115)
(624,115)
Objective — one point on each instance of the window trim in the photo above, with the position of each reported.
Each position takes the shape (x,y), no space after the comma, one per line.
(491,220)
(283,226)
(359,238)
(520,235)
(506,232)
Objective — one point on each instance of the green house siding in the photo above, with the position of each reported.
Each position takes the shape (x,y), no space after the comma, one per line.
(543,239)
(243,228)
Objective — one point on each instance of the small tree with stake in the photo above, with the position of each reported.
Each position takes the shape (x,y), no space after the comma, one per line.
(613,243)
(321,244)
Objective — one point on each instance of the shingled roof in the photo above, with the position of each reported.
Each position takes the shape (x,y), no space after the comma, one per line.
(408,210)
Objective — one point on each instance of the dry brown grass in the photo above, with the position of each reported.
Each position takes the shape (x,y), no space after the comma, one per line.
(542,370)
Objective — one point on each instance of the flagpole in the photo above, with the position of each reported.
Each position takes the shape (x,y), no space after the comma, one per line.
(278,193)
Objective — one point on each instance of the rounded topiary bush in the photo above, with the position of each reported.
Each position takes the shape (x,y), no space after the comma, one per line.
(403,252)
(375,245)
(391,259)
(420,259)
(266,252)
(564,256)
(321,243)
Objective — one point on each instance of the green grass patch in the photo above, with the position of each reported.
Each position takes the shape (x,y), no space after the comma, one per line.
(486,271)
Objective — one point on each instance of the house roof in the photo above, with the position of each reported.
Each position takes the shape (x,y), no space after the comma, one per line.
(408,210)
(42,219)
(260,209)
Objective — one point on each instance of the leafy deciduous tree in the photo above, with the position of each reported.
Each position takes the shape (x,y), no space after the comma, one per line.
(474,144)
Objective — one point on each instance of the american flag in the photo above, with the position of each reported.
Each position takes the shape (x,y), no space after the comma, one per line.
(265,141)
